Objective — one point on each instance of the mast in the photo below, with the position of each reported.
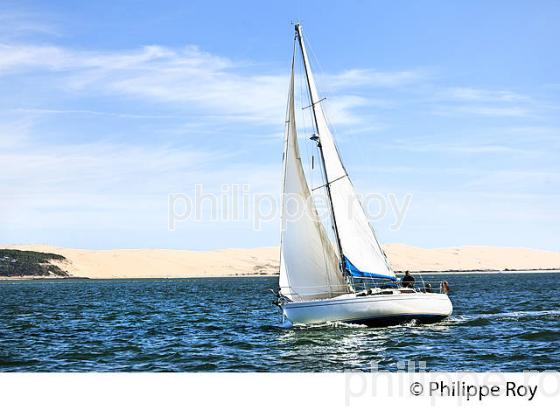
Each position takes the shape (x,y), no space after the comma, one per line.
(315,101)
(317,275)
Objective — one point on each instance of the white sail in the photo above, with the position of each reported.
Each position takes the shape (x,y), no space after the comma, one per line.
(308,263)
(362,252)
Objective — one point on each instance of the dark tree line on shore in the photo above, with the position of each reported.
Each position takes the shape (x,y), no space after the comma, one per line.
(28,263)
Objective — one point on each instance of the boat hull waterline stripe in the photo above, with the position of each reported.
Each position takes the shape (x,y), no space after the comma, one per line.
(365,299)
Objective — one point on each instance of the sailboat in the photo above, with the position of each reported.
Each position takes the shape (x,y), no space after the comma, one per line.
(336,271)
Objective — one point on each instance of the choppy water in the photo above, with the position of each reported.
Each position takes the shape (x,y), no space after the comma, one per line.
(507,322)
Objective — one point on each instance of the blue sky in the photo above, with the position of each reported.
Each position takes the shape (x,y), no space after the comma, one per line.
(108,107)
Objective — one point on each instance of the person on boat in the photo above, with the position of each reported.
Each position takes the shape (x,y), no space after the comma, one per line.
(408,280)
(428,288)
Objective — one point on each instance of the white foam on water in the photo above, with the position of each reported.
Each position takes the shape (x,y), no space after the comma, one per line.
(286,324)
(330,325)
(347,325)
(411,323)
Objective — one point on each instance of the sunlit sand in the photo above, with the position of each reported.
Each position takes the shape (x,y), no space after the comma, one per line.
(170,263)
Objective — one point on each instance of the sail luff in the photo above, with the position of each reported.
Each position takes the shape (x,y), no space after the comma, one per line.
(284,280)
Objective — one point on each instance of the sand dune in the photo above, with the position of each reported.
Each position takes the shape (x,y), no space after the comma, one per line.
(161,263)
(167,263)
(470,258)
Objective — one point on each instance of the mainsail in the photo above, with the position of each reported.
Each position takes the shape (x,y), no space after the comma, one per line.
(309,267)
(362,254)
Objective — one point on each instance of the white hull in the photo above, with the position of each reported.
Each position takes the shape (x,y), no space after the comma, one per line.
(376,309)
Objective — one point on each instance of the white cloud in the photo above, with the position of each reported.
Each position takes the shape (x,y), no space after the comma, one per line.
(495,111)
(97,167)
(47,111)
(468,94)
(340,109)
(486,103)
(371,78)
(16,24)
(188,78)
(78,185)
(519,181)
(483,110)
(459,148)
(14,132)
(22,57)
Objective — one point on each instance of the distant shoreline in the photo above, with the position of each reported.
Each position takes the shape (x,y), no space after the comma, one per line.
(272,275)
(263,262)
(482,272)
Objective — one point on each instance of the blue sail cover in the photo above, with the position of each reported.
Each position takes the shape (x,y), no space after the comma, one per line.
(355,272)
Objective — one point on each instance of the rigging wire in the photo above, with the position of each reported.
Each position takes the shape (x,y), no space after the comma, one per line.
(334,132)
(308,128)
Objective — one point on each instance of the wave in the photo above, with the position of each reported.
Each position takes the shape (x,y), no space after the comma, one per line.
(479,318)
(503,316)
(543,336)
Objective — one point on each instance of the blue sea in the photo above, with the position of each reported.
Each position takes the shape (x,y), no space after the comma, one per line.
(501,322)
